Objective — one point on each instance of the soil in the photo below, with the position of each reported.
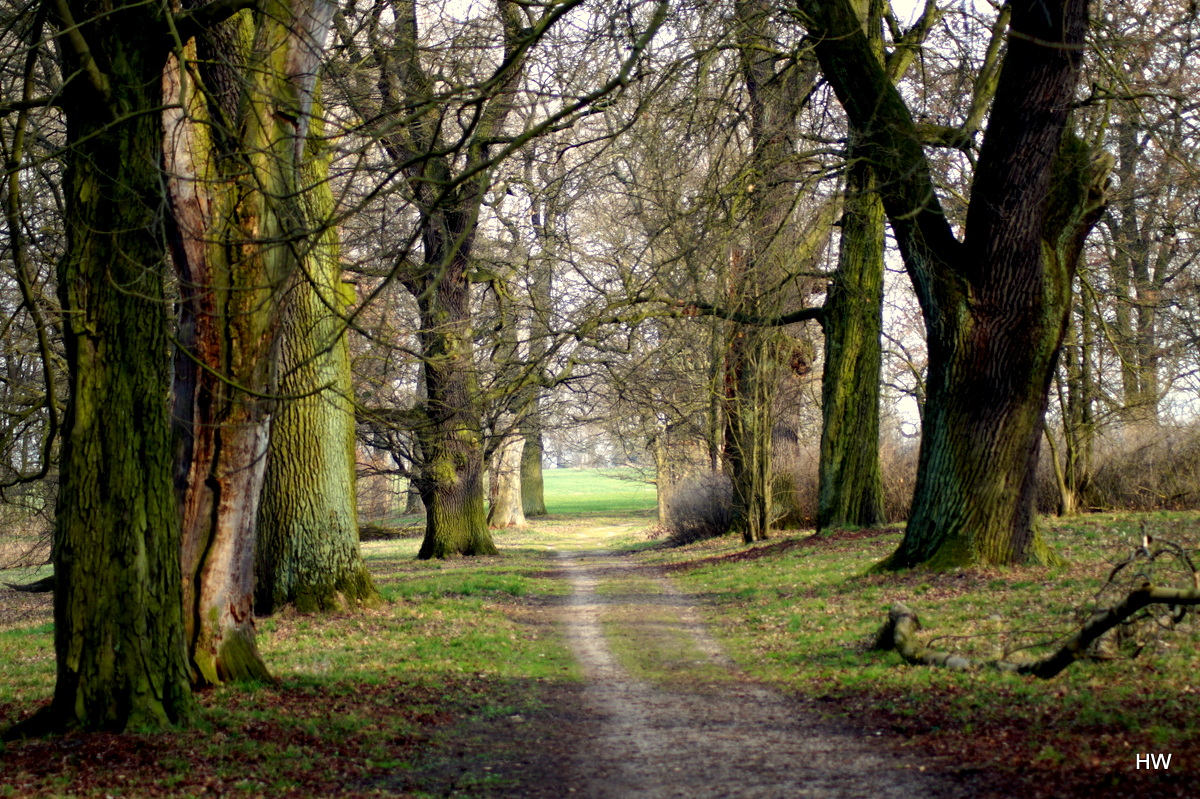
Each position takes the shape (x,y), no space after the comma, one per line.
(685,734)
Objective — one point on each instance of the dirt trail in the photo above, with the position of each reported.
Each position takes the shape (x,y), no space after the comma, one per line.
(682,732)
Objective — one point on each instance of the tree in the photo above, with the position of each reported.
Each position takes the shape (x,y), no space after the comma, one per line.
(241,110)
(850,483)
(450,432)
(308,553)
(118,608)
(545,200)
(776,86)
(445,144)
(995,303)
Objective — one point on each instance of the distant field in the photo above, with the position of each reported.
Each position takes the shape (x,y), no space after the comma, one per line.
(595,491)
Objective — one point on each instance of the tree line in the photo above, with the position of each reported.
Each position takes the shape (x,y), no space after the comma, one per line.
(248,238)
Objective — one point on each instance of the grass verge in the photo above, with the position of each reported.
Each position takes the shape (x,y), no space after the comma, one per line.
(422,696)
(801,612)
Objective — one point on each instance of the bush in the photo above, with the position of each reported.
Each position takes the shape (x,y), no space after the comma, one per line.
(797,477)
(1148,469)
(698,507)
(898,462)
(383,532)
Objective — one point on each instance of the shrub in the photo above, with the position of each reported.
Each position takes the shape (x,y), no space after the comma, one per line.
(797,478)
(1148,469)
(699,507)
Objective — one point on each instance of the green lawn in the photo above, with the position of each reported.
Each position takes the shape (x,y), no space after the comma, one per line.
(596,491)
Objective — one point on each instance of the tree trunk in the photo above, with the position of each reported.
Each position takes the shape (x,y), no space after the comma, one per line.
(749,422)
(770,197)
(507,509)
(850,491)
(235,157)
(850,483)
(533,485)
(227,320)
(1076,394)
(664,482)
(118,621)
(451,435)
(412,501)
(545,216)
(1137,295)
(308,550)
(995,304)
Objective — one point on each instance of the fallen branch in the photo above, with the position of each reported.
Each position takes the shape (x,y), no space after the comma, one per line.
(41,586)
(1076,646)
(899,633)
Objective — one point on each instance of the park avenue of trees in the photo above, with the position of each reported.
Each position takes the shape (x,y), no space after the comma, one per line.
(256,249)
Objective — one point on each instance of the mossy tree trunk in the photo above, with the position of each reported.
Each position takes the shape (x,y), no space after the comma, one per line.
(995,304)
(533,484)
(244,99)
(118,621)
(308,550)
(450,475)
(850,482)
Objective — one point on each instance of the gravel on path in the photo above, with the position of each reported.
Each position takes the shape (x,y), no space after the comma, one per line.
(700,738)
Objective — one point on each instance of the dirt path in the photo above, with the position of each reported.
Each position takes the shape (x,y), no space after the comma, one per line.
(689,724)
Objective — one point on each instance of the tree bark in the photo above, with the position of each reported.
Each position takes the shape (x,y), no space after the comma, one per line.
(1076,395)
(221,432)
(308,549)
(533,484)
(234,151)
(451,437)
(1138,292)
(748,425)
(118,621)
(507,508)
(995,304)
(850,482)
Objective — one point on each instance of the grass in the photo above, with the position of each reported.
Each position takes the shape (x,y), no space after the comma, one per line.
(591,491)
(800,614)
(448,687)
(398,700)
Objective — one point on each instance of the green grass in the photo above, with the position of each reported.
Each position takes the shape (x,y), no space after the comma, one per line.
(404,699)
(801,615)
(446,682)
(594,491)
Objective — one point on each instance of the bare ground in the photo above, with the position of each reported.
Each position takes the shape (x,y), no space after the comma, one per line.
(684,732)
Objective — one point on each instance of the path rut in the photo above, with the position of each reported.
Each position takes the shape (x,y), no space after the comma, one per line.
(702,738)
